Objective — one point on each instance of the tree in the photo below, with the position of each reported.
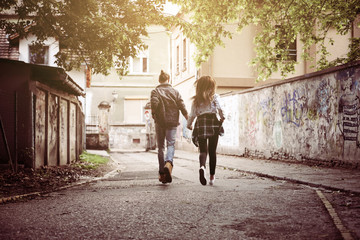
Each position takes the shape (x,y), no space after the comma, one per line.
(100,33)
(281,22)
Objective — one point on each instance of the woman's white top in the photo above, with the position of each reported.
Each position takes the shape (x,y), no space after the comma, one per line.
(213,107)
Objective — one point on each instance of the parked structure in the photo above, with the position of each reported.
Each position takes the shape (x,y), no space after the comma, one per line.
(41,115)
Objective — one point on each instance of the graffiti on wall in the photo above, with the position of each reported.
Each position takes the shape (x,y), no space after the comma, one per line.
(53,129)
(40,124)
(267,109)
(323,97)
(315,117)
(230,107)
(349,112)
(292,111)
(252,127)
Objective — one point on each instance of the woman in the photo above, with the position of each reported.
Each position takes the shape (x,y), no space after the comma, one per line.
(205,106)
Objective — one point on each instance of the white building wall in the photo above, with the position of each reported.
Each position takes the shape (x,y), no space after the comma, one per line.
(24,49)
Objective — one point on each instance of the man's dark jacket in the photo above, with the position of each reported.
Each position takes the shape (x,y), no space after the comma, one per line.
(166,102)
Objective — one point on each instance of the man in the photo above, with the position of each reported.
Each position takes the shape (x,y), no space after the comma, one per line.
(166,102)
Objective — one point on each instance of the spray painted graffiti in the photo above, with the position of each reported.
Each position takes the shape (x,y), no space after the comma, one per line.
(293,110)
(323,95)
(267,108)
(349,113)
(252,127)
(230,106)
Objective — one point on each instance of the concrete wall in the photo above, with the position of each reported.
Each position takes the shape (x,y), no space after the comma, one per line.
(97,141)
(314,117)
(127,136)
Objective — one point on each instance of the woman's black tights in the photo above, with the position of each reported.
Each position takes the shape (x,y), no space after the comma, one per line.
(206,146)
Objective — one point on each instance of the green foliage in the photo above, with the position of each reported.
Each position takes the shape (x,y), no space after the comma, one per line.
(100,33)
(91,161)
(307,20)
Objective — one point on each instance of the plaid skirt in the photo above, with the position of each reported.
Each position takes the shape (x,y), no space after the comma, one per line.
(206,125)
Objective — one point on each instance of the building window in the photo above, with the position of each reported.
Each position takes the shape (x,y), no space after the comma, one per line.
(184,55)
(139,64)
(177,60)
(134,110)
(291,50)
(144,65)
(136,65)
(39,55)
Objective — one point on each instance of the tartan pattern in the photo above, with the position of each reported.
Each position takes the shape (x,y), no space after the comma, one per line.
(206,125)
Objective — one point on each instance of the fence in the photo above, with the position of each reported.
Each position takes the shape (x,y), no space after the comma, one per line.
(92,124)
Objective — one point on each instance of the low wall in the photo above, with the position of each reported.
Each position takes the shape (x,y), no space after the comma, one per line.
(309,118)
(97,141)
(128,136)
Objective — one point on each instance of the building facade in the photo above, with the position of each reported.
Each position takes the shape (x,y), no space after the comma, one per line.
(128,95)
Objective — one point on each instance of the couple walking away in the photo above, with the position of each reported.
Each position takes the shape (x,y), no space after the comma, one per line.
(166,102)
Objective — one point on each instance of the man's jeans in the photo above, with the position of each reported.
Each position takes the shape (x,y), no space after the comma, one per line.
(170,135)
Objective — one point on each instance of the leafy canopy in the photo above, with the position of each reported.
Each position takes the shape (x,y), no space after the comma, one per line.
(101,33)
(279,24)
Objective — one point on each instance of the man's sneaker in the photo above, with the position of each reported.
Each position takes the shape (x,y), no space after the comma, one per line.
(167,169)
(162,178)
(202,173)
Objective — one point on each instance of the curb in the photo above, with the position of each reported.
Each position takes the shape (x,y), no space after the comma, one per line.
(317,185)
(274,177)
(33,194)
(78,183)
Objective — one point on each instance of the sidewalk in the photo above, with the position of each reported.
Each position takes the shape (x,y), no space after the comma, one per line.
(338,179)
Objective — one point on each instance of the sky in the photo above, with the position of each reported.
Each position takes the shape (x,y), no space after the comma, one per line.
(171,8)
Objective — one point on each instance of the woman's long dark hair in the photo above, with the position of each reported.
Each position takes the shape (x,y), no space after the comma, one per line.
(205,90)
